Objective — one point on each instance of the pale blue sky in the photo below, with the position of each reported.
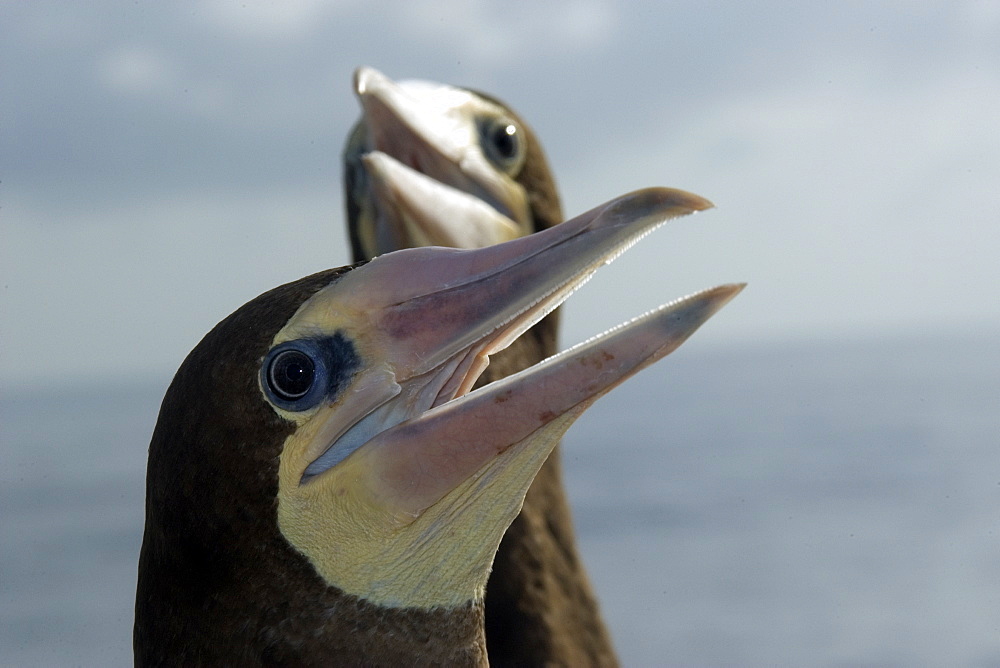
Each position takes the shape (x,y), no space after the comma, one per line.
(162,163)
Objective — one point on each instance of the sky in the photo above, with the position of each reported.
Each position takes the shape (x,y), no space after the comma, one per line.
(163,163)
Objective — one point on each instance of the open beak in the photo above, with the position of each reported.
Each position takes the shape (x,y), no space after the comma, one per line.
(440,216)
(533,407)
(425,321)
(434,132)
(421,473)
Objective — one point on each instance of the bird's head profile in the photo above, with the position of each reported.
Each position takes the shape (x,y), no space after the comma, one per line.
(322,476)
(480,168)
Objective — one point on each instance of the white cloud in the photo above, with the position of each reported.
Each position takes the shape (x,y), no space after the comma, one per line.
(509,32)
(979,16)
(285,19)
(848,205)
(129,290)
(138,70)
(148,74)
(855,171)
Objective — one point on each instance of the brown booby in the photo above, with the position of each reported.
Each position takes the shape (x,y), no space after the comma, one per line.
(484,179)
(470,153)
(323,487)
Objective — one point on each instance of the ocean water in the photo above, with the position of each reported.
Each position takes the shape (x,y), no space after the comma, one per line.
(815,504)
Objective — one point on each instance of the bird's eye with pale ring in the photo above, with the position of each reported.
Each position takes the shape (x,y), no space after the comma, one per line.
(298,375)
(503,143)
(294,375)
(290,374)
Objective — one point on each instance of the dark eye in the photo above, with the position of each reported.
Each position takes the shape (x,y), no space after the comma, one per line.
(295,374)
(298,375)
(503,143)
(291,374)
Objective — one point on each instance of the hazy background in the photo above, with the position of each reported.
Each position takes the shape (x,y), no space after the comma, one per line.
(162,163)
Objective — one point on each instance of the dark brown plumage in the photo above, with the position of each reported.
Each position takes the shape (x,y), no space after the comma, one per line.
(322,488)
(212,551)
(540,606)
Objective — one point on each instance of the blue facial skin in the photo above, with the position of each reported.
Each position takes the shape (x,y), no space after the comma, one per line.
(298,375)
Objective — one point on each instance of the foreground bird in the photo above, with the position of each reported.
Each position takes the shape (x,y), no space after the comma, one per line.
(323,488)
(484,179)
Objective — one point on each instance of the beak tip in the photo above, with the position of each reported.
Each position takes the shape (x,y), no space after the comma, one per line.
(364,79)
(723,294)
(683,200)
(737,288)
(655,205)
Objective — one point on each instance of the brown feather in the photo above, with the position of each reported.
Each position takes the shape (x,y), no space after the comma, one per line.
(218,583)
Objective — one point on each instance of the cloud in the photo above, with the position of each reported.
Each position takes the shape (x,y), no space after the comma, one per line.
(852,156)
(137,70)
(505,32)
(979,16)
(149,75)
(850,205)
(131,288)
(283,20)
